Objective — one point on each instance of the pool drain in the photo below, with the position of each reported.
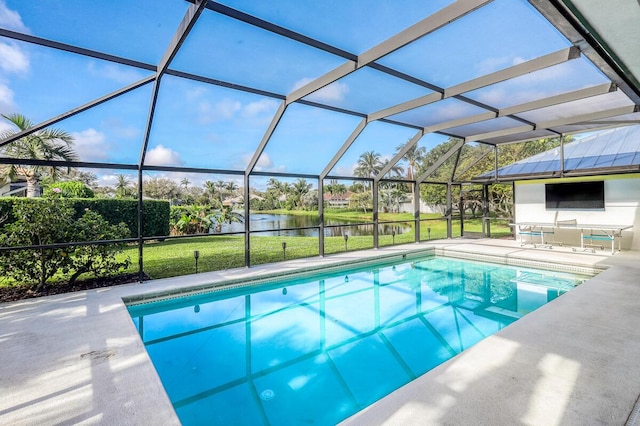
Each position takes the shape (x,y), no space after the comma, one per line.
(267,395)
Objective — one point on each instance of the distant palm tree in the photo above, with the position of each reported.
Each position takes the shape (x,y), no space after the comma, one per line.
(232,187)
(185,182)
(369,165)
(396,169)
(298,190)
(45,144)
(122,186)
(414,156)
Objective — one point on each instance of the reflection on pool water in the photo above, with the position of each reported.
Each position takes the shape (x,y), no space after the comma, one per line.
(318,349)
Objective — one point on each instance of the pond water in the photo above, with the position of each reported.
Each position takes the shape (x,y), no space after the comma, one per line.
(270,223)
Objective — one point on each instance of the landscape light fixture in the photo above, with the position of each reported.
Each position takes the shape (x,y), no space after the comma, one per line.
(393,237)
(196,256)
(346,238)
(284,251)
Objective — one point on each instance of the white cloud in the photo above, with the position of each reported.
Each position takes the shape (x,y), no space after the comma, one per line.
(223,110)
(11,19)
(119,74)
(335,92)
(162,156)
(264,163)
(13,59)
(7,105)
(261,107)
(195,93)
(90,145)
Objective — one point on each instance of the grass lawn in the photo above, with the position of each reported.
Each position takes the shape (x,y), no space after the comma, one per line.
(174,257)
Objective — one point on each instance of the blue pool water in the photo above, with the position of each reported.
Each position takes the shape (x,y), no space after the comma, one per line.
(316,350)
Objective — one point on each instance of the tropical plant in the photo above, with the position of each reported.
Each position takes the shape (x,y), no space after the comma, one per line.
(226,215)
(46,144)
(195,219)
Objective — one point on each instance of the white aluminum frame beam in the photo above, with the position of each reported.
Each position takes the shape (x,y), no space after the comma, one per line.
(541,103)
(518,70)
(548,125)
(265,139)
(428,25)
(345,146)
(186,25)
(77,110)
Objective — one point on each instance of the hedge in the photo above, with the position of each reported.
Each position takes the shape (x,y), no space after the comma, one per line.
(156,213)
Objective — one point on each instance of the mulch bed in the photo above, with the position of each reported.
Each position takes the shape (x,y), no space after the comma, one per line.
(13,293)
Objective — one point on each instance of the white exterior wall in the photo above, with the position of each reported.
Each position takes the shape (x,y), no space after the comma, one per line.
(622,207)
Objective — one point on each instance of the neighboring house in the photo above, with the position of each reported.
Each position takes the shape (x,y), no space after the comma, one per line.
(612,197)
(17,189)
(338,201)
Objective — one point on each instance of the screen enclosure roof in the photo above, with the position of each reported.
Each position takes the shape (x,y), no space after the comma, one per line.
(303,88)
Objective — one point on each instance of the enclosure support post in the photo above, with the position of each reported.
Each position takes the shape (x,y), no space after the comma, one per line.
(247,207)
(140,228)
(562,155)
(461,212)
(374,187)
(321,216)
(449,211)
(416,210)
(486,215)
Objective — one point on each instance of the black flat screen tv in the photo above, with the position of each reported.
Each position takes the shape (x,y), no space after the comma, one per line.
(575,195)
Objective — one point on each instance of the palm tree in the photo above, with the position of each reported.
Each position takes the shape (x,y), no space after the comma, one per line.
(185,182)
(369,165)
(122,186)
(414,156)
(232,187)
(396,169)
(45,144)
(298,190)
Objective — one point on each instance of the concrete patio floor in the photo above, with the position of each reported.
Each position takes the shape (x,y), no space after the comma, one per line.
(77,358)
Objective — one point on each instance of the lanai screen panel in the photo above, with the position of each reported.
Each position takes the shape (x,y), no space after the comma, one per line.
(479,43)
(230,50)
(555,80)
(366,91)
(206,126)
(138,30)
(353,26)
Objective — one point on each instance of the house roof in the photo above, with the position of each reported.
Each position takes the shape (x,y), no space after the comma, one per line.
(613,150)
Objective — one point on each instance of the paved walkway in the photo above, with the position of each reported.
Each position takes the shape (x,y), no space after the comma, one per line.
(77,358)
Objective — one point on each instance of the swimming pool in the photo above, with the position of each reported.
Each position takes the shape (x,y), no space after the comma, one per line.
(318,349)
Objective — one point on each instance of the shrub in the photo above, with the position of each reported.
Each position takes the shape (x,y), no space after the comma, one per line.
(68,189)
(36,224)
(156,213)
(50,222)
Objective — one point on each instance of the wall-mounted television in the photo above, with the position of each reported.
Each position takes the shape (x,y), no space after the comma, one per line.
(575,195)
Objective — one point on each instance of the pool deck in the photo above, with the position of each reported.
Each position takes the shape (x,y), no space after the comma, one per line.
(77,358)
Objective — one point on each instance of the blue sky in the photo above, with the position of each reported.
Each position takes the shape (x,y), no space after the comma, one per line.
(202,125)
